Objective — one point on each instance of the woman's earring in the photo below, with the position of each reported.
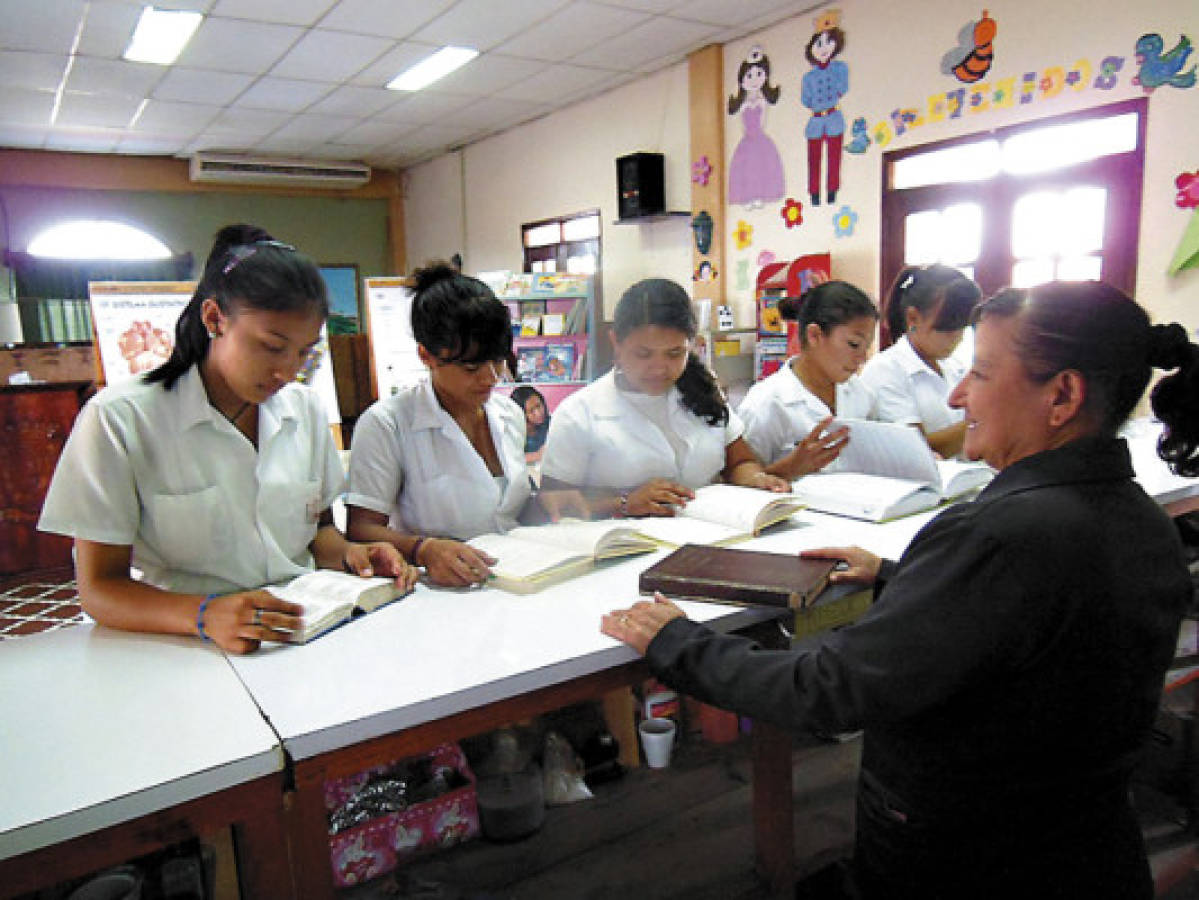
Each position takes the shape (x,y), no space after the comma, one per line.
(212,335)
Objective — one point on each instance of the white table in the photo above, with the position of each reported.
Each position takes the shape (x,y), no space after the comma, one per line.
(114,744)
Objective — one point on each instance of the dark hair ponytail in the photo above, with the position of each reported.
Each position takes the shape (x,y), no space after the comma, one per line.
(828,304)
(923,288)
(458,315)
(245,268)
(661,302)
(1175,399)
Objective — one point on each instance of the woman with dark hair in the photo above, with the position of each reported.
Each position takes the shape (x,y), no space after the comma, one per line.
(214,473)
(1010,668)
(788,415)
(537,420)
(443,460)
(927,310)
(640,439)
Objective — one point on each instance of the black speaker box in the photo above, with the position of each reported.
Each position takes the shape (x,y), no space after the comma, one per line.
(639,185)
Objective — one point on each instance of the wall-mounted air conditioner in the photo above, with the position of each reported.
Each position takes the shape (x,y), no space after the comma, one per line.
(232,168)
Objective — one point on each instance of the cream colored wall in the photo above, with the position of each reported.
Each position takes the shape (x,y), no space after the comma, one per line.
(894,51)
(560,164)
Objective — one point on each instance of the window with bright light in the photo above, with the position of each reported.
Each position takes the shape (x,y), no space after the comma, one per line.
(97,239)
(1051,199)
(567,244)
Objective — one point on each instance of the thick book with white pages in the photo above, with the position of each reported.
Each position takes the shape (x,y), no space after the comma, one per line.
(330,598)
(721,514)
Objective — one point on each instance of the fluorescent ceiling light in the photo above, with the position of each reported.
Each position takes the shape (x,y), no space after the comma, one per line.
(428,70)
(161,35)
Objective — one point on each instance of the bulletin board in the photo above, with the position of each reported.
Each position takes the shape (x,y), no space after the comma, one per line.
(394,360)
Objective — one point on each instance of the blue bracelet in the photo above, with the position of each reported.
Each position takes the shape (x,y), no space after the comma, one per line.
(200,618)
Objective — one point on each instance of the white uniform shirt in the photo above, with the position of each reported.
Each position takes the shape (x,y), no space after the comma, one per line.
(410,460)
(599,438)
(779,411)
(165,473)
(906,390)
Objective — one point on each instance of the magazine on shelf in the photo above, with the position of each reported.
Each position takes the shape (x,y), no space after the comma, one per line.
(530,362)
(558,364)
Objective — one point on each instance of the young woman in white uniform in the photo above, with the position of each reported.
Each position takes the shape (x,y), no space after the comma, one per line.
(443,460)
(927,312)
(639,440)
(214,473)
(788,416)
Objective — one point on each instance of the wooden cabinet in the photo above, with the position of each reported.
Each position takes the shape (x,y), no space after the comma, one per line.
(35,421)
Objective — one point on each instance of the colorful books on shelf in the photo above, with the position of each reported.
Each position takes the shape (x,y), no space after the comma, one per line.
(532,557)
(332,598)
(740,577)
(529,361)
(721,514)
(559,362)
(889,471)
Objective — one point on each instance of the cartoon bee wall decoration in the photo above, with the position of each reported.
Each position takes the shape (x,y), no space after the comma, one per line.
(971,60)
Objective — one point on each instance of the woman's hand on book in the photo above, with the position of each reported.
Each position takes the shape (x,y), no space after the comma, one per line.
(638,625)
(822,445)
(861,566)
(454,563)
(660,497)
(380,558)
(239,623)
(561,504)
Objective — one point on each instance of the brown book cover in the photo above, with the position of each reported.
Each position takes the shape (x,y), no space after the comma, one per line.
(743,577)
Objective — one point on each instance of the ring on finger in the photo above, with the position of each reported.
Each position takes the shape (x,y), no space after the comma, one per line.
(257,620)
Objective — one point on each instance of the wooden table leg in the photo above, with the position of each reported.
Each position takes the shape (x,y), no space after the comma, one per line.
(774,823)
(260,842)
(308,834)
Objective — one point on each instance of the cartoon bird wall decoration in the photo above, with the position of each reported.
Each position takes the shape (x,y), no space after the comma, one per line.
(1159,69)
(971,59)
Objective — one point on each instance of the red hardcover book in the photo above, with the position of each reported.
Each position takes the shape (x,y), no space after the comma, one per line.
(741,577)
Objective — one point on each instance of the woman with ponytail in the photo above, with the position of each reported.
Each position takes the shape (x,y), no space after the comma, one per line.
(1008,673)
(214,473)
(640,439)
(927,310)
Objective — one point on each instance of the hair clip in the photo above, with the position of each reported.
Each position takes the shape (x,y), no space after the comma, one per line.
(242,252)
(908,281)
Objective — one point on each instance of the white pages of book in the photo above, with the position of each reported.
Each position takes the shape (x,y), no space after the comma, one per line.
(857,495)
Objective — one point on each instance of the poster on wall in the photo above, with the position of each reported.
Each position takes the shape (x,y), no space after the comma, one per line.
(134,324)
(394,358)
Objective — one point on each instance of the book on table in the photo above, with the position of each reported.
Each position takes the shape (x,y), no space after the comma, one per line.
(736,576)
(721,514)
(888,471)
(331,598)
(532,557)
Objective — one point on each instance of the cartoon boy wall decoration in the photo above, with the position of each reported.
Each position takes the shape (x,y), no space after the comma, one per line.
(822,89)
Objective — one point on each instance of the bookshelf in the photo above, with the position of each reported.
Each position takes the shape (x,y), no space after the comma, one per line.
(778,339)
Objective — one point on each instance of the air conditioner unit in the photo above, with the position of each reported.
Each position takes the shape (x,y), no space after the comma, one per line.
(231,168)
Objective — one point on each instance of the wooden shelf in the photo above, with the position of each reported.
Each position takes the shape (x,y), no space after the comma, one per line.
(656,217)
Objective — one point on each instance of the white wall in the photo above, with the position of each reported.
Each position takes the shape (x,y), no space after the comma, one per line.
(560,164)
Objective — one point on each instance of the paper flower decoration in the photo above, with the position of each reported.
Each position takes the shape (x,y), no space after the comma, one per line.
(765,258)
(844,221)
(792,212)
(743,234)
(1188,190)
(701,170)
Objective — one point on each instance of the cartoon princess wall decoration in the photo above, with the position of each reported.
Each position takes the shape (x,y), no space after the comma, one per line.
(821,92)
(756,169)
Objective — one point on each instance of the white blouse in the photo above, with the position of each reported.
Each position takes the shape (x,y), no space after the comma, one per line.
(165,473)
(906,390)
(779,411)
(602,436)
(410,460)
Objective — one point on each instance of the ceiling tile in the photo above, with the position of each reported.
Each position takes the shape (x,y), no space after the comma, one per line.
(653,6)
(47,25)
(555,82)
(229,45)
(186,119)
(424,107)
(355,101)
(108,28)
(221,141)
(111,76)
(201,86)
(392,63)
(650,45)
(289,12)
(96,110)
(148,145)
(95,140)
(330,56)
(384,18)
(313,128)
(571,30)
(483,24)
(282,93)
(22,137)
(22,106)
(294,148)
(487,74)
(40,71)
(375,132)
(254,123)
(493,113)
(721,12)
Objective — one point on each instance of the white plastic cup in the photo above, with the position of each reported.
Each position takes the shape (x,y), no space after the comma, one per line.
(657,739)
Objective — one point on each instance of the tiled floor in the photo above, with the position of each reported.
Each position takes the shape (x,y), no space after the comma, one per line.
(42,603)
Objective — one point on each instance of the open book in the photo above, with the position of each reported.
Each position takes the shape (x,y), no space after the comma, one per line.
(721,514)
(887,471)
(330,598)
(535,556)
